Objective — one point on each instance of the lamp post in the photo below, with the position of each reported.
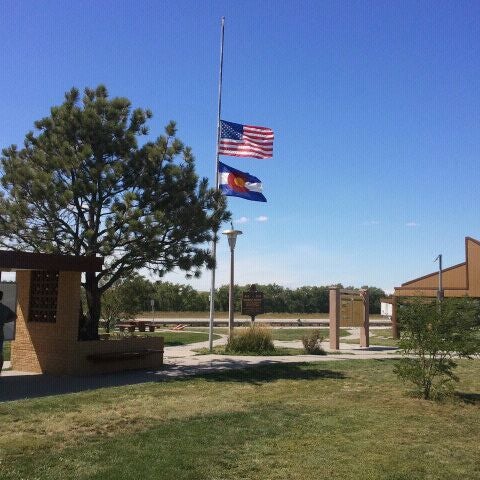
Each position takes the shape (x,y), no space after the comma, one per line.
(232,240)
(440,283)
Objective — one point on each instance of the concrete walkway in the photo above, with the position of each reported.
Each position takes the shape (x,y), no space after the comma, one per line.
(179,361)
(176,354)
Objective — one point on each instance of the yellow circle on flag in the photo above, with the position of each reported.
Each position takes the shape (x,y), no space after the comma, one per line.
(239,182)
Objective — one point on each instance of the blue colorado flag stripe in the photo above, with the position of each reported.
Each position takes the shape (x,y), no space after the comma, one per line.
(235,183)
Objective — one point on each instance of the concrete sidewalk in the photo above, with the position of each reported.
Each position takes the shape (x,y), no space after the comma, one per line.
(347,350)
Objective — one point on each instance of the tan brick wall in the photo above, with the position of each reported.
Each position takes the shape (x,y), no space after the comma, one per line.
(39,347)
(54,348)
(23,354)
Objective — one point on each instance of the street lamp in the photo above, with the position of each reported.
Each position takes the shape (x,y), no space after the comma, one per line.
(440,285)
(232,240)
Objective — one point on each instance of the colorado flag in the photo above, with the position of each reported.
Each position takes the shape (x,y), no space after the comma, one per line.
(239,184)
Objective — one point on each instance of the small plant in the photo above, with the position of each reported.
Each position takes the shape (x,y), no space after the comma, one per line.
(433,336)
(312,343)
(253,339)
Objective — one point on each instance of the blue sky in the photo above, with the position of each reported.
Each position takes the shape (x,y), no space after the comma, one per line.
(375,107)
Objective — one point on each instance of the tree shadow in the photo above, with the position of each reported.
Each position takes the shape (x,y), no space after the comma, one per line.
(378,348)
(384,360)
(470,398)
(270,371)
(18,387)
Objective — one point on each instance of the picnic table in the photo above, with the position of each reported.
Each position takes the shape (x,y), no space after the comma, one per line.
(133,324)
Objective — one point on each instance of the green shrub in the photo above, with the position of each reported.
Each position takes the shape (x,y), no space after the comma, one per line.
(252,339)
(312,343)
(433,336)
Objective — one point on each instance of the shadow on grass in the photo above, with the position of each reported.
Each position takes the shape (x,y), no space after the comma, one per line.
(378,348)
(272,372)
(470,398)
(18,387)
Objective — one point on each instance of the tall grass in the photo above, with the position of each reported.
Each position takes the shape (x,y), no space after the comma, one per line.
(253,339)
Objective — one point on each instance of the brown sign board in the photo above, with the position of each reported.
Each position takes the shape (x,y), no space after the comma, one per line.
(351,310)
(252,302)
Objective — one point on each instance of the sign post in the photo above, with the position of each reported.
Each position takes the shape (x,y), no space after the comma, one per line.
(252,303)
(152,304)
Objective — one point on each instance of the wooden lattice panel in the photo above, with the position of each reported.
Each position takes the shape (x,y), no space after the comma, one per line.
(43,296)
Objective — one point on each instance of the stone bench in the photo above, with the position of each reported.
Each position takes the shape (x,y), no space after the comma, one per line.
(113,356)
(130,326)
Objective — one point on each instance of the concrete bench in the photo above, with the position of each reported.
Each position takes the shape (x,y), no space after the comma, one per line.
(130,326)
(142,326)
(113,356)
(126,326)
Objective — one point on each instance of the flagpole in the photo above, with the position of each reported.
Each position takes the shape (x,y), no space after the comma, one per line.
(215,238)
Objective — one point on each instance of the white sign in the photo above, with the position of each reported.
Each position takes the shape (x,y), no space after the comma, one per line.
(10,300)
(386,309)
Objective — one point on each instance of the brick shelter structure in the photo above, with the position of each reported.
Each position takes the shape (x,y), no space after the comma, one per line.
(48,315)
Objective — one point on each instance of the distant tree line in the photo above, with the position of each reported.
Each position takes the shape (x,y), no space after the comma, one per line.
(136,293)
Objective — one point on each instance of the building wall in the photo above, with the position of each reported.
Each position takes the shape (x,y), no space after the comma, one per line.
(473,258)
(41,347)
(457,281)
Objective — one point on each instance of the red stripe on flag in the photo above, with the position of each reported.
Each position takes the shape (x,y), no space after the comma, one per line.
(256,142)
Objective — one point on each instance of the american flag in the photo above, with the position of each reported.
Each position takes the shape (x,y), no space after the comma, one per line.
(245,140)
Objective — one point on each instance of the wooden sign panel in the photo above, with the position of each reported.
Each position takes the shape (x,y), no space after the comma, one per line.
(351,311)
(252,302)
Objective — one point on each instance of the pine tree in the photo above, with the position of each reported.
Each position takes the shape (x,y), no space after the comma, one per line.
(82,185)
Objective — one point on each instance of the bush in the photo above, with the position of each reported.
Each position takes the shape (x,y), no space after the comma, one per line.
(312,343)
(252,339)
(433,336)
(115,308)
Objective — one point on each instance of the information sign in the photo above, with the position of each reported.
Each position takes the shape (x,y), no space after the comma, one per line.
(252,302)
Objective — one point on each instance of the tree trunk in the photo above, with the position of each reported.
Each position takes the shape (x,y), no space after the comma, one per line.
(89,328)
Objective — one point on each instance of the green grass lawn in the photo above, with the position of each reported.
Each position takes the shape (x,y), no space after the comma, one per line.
(334,420)
(172,339)
(298,333)
(279,351)
(280,333)
(6,351)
